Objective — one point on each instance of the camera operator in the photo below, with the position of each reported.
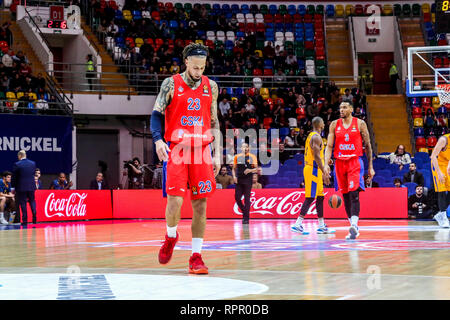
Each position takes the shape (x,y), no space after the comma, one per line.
(135,172)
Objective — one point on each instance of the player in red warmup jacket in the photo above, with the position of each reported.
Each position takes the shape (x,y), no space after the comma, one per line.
(347,135)
(189,103)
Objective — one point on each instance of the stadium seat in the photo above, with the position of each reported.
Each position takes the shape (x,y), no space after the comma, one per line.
(411,187)
(349,10)
(301,9)
(416,10)
(339,11)
(397,9)
(388,10)
(359,10)
(418,122)
(406,10)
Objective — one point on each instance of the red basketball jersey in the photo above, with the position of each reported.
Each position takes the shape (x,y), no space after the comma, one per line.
(348,143)
(188,116)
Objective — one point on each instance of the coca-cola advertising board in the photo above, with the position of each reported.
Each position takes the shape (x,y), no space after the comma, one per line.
(66,205)
(265,203)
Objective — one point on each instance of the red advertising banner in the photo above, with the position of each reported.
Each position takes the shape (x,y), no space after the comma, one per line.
(66,205)
(376,203)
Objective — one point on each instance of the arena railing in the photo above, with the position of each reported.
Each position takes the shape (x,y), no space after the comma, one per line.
(9,106)
(71,77)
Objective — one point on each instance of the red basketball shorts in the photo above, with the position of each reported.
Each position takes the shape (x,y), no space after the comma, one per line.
(191,169)
(349,175)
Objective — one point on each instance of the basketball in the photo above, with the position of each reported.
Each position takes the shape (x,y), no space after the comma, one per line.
(335,201)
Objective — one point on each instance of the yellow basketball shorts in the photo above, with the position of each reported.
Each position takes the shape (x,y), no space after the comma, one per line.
(438,186)
(313,181)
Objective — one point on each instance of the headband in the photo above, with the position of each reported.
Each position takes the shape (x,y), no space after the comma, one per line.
(197,52)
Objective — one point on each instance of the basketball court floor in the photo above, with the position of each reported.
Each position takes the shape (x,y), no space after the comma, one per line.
(392,259)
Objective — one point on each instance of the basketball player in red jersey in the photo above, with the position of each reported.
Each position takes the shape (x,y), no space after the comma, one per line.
(347,135)
(189,102)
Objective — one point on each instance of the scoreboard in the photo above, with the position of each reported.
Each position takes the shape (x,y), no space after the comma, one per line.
(442,16)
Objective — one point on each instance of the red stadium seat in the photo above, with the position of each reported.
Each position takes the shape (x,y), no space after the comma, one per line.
(268,72)
(318,18)
(417,111)
(359,10)
(257,72)
(426,101)
(288,18)
(431,141)
(309,45)
(301,113)
(278,18)
(210,44)
(420,143)
(241,26)
(298,18)
(155,15)
(279,101)
(266,122)
(268,18)
(250,27)
(260,27)
(308,18)
(426,17)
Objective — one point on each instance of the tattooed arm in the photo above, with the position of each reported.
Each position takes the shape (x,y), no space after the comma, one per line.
(215,126)
(162,101)
(366,139)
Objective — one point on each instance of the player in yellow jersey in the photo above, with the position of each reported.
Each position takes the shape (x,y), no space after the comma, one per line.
(313,174)
(440,167)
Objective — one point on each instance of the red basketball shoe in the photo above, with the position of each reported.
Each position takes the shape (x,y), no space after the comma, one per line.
(165,253)
(196,264)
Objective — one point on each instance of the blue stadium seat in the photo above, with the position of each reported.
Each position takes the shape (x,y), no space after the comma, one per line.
(411,187)
(238,92)
(283,181)
(231,186)
(330,11)
(384,173)
(272,186)
(292,163)
(382,181)
(235,8)
(301,9)
(292,9)
(137,15)
(273,9)
(292,185)
(422,155)
(245,9)
(284,132)
(173,24)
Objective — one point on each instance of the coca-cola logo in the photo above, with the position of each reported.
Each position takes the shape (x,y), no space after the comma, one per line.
(65,207)
(287,205)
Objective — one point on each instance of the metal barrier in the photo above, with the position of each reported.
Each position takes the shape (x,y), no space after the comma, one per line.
(37,107)
(72,77)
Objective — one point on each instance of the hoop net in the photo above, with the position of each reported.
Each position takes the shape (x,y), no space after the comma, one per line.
(443,91)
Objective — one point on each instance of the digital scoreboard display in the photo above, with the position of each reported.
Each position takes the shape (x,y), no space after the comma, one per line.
(442,16)
(55,24)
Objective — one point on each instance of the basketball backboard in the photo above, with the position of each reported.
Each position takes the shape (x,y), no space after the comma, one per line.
(427,68)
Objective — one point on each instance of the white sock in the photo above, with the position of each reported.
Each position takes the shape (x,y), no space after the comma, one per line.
(299,221)
(354,220)
(172,232)
(197,244)
(321,222)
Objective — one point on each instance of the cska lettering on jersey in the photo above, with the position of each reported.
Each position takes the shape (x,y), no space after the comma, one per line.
(192,121)
(347,147)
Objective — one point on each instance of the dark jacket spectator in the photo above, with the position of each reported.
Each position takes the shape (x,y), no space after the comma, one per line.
(99,183)
(414,176)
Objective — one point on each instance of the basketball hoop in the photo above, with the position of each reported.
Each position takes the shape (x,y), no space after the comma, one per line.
(443,91)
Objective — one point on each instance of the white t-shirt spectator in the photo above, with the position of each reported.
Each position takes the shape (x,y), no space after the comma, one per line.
(224,107)
(347,98)
(7,60)
(249,107)
(41,104)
